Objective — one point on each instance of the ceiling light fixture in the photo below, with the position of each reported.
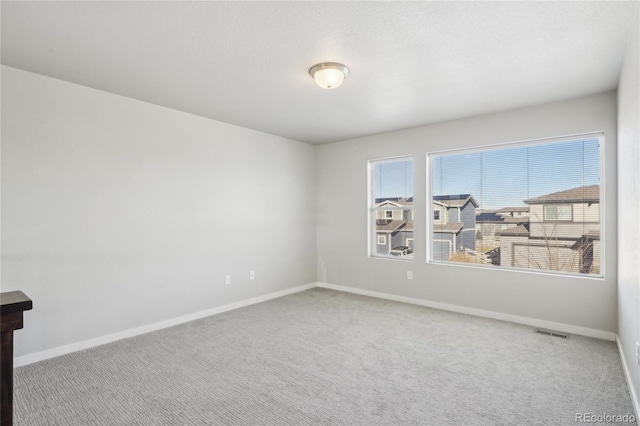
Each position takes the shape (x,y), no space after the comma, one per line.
(329,75)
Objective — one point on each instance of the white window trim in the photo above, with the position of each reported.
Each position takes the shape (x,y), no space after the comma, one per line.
(372,211)
(412,246)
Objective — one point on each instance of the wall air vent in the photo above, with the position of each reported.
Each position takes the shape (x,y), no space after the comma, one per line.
(551,333)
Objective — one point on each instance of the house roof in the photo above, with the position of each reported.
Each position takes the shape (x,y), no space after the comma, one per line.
(513,209)
(581,194)
(448,227)
(518,231)
(496,218)
(457,200)
(489,217)
(517,219)
(395,201)
(391,226)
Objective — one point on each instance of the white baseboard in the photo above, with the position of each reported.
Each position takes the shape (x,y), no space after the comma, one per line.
(86,344)
(627,376)
(565,328)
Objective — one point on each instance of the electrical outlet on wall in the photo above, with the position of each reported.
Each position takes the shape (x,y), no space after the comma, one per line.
(252,275)
(409,275)
(227,279)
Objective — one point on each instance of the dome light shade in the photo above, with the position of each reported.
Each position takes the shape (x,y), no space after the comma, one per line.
(329,75)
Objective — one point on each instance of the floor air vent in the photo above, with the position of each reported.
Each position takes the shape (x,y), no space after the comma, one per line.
(551,333)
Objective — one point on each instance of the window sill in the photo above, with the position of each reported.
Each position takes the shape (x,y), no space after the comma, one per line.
(393,258)
(599,277)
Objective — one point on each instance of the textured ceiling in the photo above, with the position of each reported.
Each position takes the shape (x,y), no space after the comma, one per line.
(246,63)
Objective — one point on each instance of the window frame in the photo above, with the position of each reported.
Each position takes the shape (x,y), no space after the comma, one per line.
(372,211)
(557,219)
(600,136)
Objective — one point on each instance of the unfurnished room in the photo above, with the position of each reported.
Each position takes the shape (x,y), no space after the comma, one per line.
(320,213)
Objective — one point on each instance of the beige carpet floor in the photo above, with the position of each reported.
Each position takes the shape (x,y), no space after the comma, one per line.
(323,357)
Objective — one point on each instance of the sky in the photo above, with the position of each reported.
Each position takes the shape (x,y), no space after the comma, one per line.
(507,177)
(393,179)
(501,177)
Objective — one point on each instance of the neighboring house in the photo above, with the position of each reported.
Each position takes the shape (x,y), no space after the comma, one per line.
(490,222)
(563,233)
(394,228)
(454,224)
(514,212)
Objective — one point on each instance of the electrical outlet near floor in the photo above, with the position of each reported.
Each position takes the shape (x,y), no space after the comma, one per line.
(409,275)
(227,279)
(252,275)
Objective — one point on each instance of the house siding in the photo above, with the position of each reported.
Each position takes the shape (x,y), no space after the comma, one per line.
(442,245)
(560,257)
(536,213)
(506,248)
(408,235)
(466,239)
(582,212)
(382,214)
(398,238)
(561,230)
(586,212)
(452,215)
(382,249)
(468,216)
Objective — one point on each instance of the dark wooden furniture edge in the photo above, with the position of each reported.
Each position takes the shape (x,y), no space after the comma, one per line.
(12,305)
(14,301)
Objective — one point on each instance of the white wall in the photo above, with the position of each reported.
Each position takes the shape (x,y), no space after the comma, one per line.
(342,233)
(629,210)
(117,213)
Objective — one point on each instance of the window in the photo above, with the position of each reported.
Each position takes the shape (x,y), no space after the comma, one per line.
(531,206)
(559,212)
(391,208)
